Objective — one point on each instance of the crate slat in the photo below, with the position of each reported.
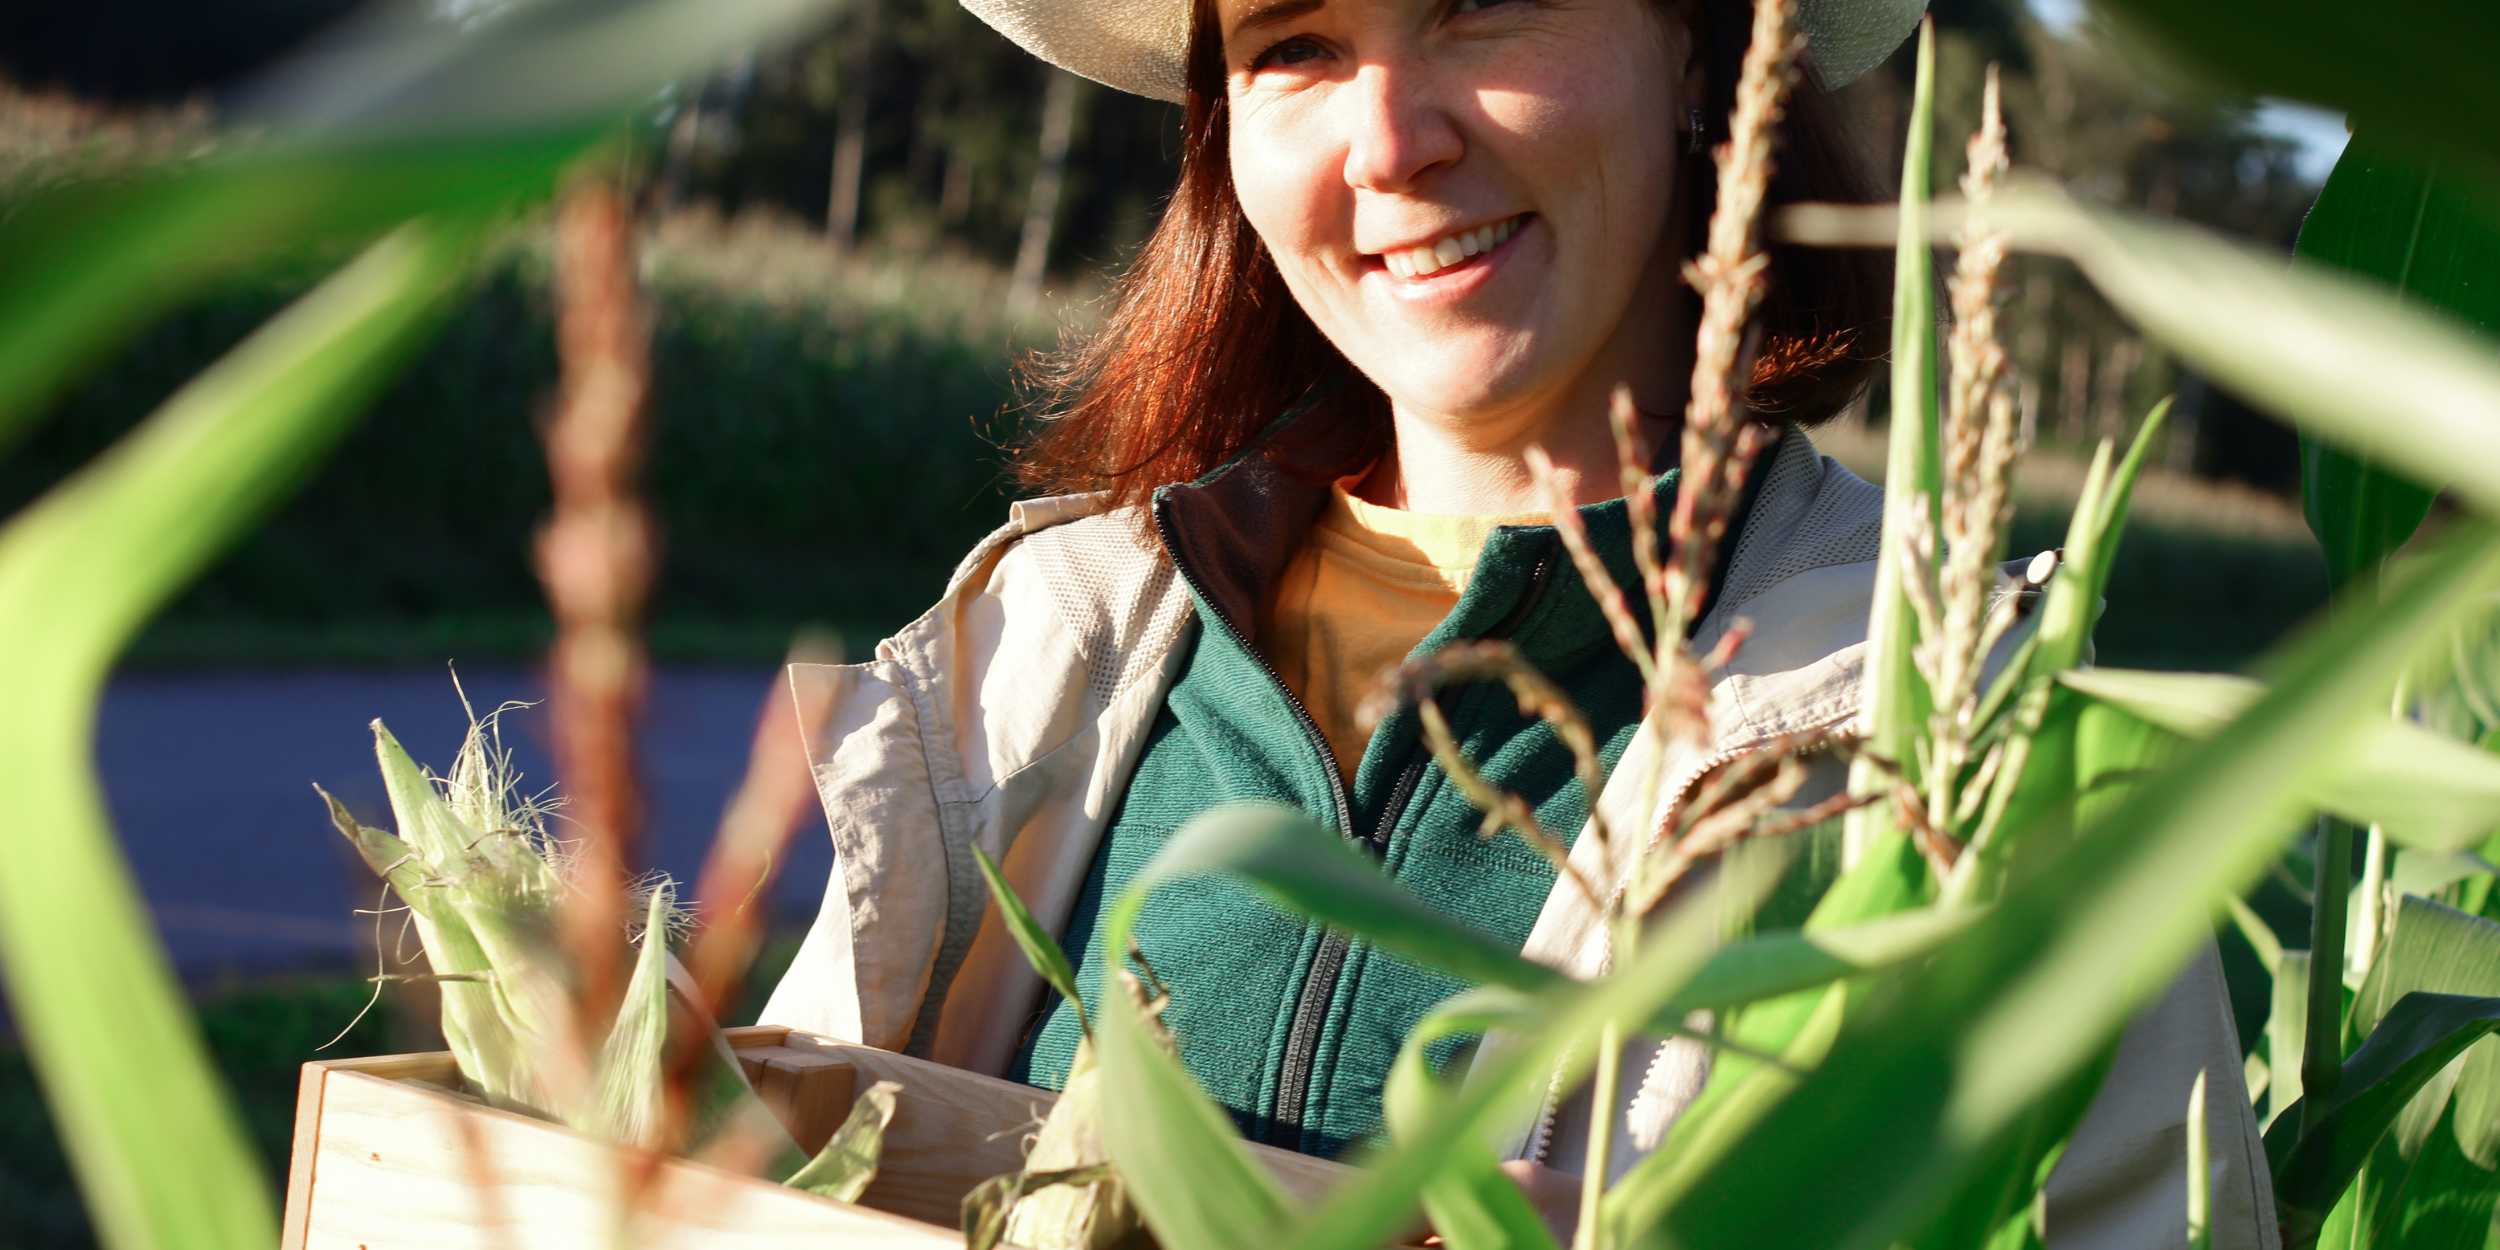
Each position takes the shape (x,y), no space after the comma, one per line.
(387,1158)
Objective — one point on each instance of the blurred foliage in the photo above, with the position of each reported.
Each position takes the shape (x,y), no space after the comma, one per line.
(815,460)
(952,111)
(260,1033)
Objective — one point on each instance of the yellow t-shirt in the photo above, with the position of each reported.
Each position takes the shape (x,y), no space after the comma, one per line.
(1367,585)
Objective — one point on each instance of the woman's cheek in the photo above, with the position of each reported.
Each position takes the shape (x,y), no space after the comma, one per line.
(1296,203)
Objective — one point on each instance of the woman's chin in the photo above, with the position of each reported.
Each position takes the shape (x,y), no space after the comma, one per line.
(1461,396)
(1456,372)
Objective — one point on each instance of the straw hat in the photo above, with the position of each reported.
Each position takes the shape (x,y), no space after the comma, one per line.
(1142,46)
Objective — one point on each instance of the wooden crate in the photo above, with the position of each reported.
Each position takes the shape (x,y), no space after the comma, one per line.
(388,1156)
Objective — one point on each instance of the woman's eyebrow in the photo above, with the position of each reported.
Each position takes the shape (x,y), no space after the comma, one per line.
(1276,13)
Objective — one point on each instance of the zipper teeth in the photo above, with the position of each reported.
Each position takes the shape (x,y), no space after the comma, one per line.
(1319,983)
(1301,712)
(1293,1078)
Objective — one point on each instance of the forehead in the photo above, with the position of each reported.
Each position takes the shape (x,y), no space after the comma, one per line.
(1246,15)
(1240,17)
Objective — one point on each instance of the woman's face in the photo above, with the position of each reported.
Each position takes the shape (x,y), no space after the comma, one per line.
(1470,197)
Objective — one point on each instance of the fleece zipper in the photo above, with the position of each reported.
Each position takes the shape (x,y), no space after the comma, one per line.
(1319,982)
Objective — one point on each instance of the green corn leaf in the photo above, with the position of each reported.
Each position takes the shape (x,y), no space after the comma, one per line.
(1313,872)
(2426,1197)
(1040,949)
(1800,1030)
(84,266)
(2399,221)
(1896,698)
(2428,872)
(2029,809)
(2360,513)
(2425,789)
(2072,604)
(1518,1066)
(1943,1070)
(2392,63)
(2200,1177)
(2287,1032)
(847,1165)
(2420,1035)
(1472,1205)
(2436,948)
(1890,878)
(2109,518)
(1179,1154)
(2254,930)
(534,65)
(1777,964)
(1310,871)
(2114,754)
(2478,1106)
(2411,225)
(2409,386)
(2191,705)
(1182,1157)
(156,1145)
(2000,1192)
(2338,354)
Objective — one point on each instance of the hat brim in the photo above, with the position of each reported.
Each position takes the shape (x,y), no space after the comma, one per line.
(1142,46)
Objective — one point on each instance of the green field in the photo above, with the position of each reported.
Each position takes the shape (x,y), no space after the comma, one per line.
(828,442)
(821,455)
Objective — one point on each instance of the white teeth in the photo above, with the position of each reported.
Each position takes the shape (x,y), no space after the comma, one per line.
(1416,262)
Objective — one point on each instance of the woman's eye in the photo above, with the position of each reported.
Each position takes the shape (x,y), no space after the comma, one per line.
(1290,52)
(1471,6)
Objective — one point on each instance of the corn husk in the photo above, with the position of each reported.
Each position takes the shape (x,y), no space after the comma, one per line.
(1069,1196)
(842,1170)
(483,880)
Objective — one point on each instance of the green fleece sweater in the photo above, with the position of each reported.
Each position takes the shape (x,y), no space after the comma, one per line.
(1290,1028)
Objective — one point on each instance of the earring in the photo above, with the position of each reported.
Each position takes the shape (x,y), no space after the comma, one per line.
(1693,130)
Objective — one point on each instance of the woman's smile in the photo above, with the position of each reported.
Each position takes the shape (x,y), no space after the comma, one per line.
(1470,249)
(1471,200)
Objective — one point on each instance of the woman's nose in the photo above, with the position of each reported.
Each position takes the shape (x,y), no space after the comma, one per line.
(1397,132)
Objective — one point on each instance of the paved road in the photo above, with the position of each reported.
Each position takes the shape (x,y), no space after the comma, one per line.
(210,781)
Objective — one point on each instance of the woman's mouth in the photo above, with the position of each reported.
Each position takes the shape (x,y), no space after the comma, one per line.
(1442,253)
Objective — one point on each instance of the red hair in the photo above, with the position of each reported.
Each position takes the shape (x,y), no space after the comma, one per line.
(1204,347)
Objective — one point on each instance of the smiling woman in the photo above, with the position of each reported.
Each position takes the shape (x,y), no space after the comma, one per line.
(1416,246)
(1327,148)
